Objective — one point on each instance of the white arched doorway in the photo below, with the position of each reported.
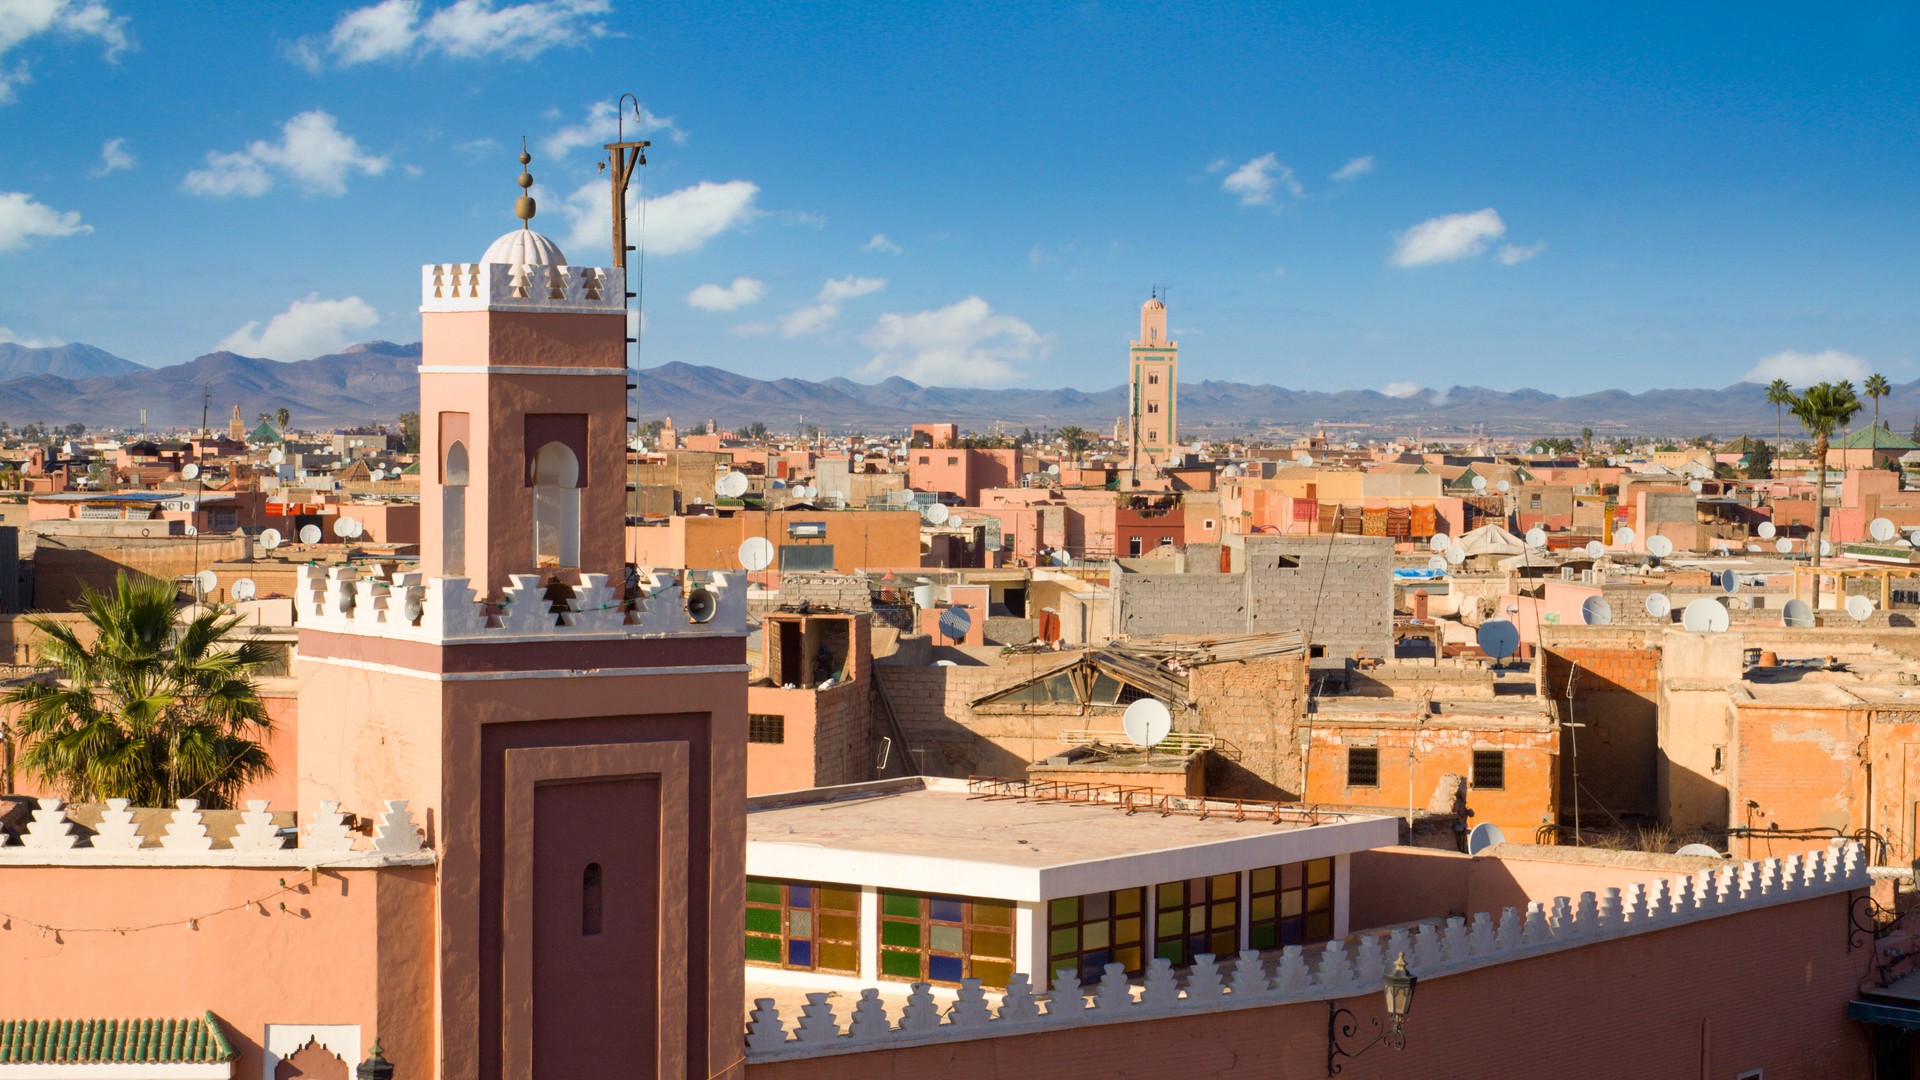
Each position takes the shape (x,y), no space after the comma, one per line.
(453,512)
(556,506)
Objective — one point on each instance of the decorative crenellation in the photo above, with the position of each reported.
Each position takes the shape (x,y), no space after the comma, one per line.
(1433,949)
(51,836)
(532,287)
(447,609)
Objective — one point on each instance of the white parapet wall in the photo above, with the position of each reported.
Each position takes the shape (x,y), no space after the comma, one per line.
(1432,949)
(52,839)
(587,290)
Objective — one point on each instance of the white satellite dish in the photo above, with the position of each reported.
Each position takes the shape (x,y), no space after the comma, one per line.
(1147,723)
(1879,528)
(1306,459)
(193,530)
(1537,537)
(270,539)
(1498,638)
(343,527)
(1796,612)
(1783,545)
(244,589)
(1696,487)
(1437,563)
(1596,611)
(1479,483)
(756,553)
(802,492)
(1596,549)
(189,472)
(309,534)
(1456,555)
(1705,616)
(1053,470)
(1826,548)
(1658,605)
(937,513)
(1701,850)
(1659,546)
(1755,547)
(276,456)
(1484,835)
(1860,608)
(1504,485)
(731,486)
(1913,537)
(1766,530)
(206,581)
(1623,536)
(1729,581)
(1440,543)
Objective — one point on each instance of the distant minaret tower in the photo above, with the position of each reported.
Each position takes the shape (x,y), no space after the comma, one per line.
(1154,378)
(236,427)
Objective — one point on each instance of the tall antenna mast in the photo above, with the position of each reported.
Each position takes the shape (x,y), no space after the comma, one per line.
(622,155)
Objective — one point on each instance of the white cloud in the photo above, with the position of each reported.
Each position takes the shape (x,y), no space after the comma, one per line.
(677,222)
(1444,239)
(962,344)
(602,124)
(1513,254)
(8,337)
(751,329)
(308,328)
(741,293)
(23,20)
(881,244)
(395,29)
(1255,181)
(1402,389)
(312,152)
(114,156)
(1804,369)
(22,219)
(1355,169)
(825,309)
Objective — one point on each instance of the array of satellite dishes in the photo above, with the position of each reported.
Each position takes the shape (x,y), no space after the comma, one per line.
(309,534)
(1881,530)
(731,486)
(1659,546)
(1796,612)
(756,553)
(1498,638)
(1595,611)
(1147,723)
(378,473)
(1860,608)
(1705,616)
(245,589)
(803,492)
(1658,605)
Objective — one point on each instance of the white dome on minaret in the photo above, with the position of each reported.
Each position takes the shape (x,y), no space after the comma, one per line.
(524,247)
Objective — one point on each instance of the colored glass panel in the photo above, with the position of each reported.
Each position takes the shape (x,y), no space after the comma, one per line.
(992,943)
(761,891)
(800,953)
(946,909)
(945,968)
(763,950)
(992,913)
(900,965)
(843,958)
(906,934)
(906,904)
(800,924)
(1064,942)
(1065,910)
(948,939)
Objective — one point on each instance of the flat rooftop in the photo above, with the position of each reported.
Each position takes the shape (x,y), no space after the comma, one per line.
(932,835)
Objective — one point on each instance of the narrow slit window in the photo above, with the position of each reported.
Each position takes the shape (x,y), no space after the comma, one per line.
(590,900)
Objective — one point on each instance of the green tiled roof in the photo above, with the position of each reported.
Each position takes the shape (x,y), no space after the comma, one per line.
(264,434)
(1868,438)
(123,1042)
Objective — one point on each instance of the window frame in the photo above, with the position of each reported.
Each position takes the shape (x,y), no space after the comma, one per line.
(969,927)
(1304,911)
(815,913)
(1179,948)
(778,725)
(1370,751)
(1091,963)
(1494,760)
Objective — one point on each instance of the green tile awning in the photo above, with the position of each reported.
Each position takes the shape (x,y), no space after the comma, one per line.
(113,1042)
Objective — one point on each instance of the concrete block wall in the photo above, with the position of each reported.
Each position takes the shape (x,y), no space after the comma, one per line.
(847,592)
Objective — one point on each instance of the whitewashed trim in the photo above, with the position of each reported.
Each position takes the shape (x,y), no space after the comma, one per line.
(257,843)
(543,673)
(285,1040)
(340,600)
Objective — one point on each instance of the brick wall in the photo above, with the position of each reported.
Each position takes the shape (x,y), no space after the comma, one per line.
(1255,705)
(1616,695)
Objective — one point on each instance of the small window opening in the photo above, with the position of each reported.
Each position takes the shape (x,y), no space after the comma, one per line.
(1490,769)
(1363,766)
(590,900)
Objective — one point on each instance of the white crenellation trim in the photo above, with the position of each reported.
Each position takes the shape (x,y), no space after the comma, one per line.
(1437,948)
(50,830)
(586,290)
(257,841)
(339,600)
(285,1040)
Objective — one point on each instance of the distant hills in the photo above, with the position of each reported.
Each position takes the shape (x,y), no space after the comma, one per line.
(377,381)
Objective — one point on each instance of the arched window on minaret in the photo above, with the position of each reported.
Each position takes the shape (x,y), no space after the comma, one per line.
(556,506)
(453,512)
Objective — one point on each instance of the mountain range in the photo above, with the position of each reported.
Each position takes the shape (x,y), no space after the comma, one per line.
(376,381)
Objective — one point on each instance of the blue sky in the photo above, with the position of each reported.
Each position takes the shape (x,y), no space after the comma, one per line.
(1337,195)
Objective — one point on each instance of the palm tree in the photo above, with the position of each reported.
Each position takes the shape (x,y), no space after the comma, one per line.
(1076,438)
(1779,395)
(282,418)
(1823,409)
(1876,387)
(149,712)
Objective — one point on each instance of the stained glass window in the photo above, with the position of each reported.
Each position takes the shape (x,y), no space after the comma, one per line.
(804,926)
(1089,932)
(944,939)
(1200,915)
(1290,905)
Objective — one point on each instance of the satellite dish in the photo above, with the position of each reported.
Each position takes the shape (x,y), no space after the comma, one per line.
(937,514)
(802,492)
(1701,850)
(1913,537)
(1484,835)
(1053,470)
(206,581)
(1658,605)
(1147,723)
(1623,536)
(955,622)
(343,527)
(1306,459)
(309,534)
(1826,548)
(731,486)
(1729,581)
(1479,483)
(1062,558)
(1440,543)
(1456,555)
(945,663)
(1437,563)
(1796,613)
(1537,537)
(1860,608)
(1596,549)
(756,553)
(193,530)
(244,589)
(359,527)
(189,472)
(276,456)
(1504,485)
(1705,616)
(270,539)
(1498,638)
(1659,546)
(1766,530)
(1696,486)
(1596,611)
(1783,545)
(1879,528)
